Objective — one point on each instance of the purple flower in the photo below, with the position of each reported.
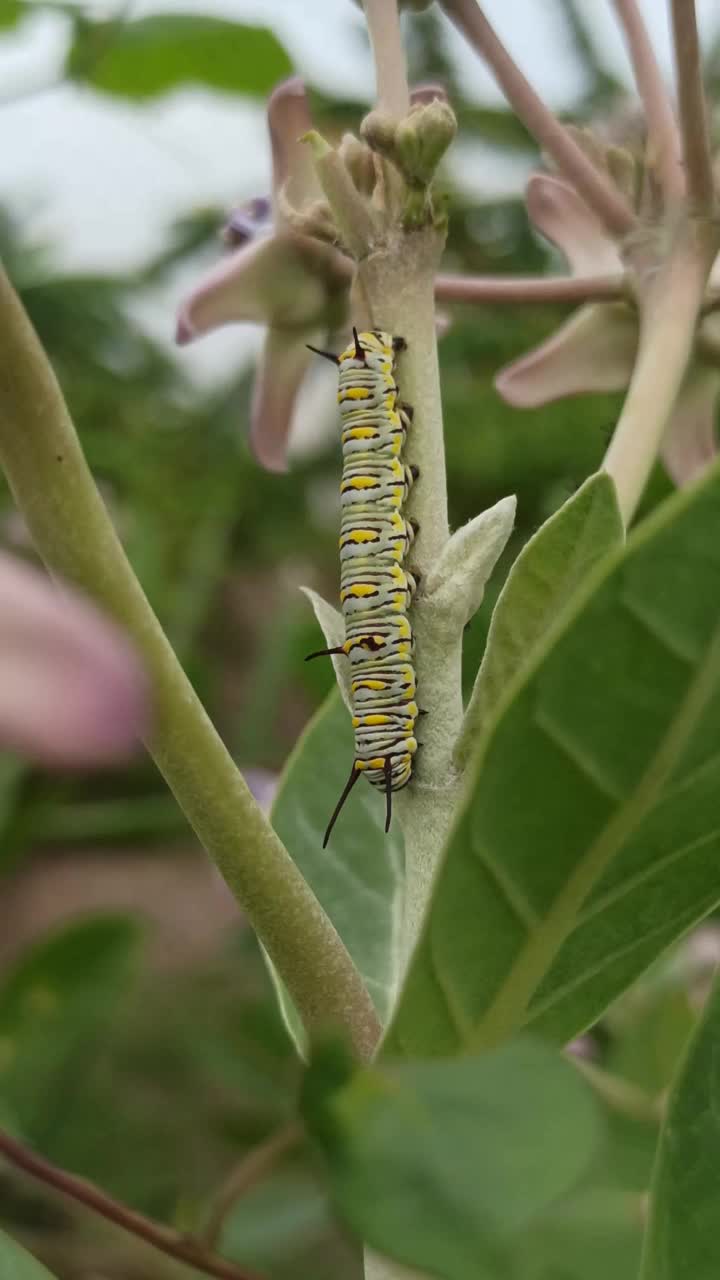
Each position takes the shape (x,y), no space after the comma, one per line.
(595,349)
(277,276)
(72,692)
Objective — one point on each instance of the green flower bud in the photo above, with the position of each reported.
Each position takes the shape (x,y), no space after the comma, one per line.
(359,162)
(421,140)
(378,130)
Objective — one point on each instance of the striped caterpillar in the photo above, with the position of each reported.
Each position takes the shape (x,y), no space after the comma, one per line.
(376,590)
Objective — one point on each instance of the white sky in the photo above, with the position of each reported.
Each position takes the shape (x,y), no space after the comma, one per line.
(100,180)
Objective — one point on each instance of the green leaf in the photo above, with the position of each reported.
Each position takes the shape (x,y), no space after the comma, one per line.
(358,878)
(441,1164)
(682,1240)
(156,54)
(54,1006)
(17,1264)
(590,838)
(548,571)
(11,11)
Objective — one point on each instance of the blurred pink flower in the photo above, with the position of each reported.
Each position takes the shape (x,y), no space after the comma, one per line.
(71,689)
(595,349)
(291,282)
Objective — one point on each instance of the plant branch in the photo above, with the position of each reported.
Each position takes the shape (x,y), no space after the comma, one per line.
(669,310)
(257,1164)
(596,190)
(693,115)
(72,531)
(383,20)
(663,133)
(530,289)
(168,1241)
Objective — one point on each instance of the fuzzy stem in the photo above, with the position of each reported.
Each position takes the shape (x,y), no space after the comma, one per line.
(167,1240)
(72,531)
(397,281)
(662,126)
(597,192)
(383,20)
(669,308)
(530,289)
(693,116)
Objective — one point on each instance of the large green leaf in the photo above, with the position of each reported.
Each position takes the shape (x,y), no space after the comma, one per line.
(358,878)
(442,1164)
(549,569)
(54,1007)
(17,1264)
(164,51)
(682,1240)
(591,836)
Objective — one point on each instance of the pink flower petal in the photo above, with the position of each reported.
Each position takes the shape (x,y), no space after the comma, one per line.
(593,351)
(564,219)
(289,118)
(690,443)
(283,366)
(71,689)
(280,279)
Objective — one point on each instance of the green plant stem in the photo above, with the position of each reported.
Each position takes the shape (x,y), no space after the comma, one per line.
(396,282)
(669,307)
(54,489)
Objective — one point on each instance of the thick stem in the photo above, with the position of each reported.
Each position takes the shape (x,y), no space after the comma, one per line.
(597,192)
(669,308)
(52,485)
(663,133)
(693,115)
(164,1238)
(523,290)
(397,285)
(383,20)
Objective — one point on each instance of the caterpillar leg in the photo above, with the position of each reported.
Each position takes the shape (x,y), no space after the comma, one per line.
(387,769)
(354,775)
(325,653)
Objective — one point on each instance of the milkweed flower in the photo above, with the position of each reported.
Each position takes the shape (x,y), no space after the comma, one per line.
(595,350)
(72,692)
(278,276)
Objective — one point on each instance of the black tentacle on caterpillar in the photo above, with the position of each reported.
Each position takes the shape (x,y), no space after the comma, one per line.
(376,590)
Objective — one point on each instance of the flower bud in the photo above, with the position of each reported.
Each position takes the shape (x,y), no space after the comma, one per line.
(421,140)
(358,159)
(378,130)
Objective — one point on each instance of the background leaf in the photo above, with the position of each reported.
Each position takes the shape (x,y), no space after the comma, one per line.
(54,1006)
(585,850)
(155,54)
(440,1165)
(358,878)
(17,1264)
(682,1241)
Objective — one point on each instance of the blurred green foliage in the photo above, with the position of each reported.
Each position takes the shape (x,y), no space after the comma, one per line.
(156,1083)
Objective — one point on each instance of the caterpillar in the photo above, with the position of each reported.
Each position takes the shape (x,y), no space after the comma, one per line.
(375,588)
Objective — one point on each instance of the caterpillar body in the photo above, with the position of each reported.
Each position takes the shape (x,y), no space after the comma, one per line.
(376,588)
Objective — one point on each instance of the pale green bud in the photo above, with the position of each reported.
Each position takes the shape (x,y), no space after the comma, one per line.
(421,140)
(359,162)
